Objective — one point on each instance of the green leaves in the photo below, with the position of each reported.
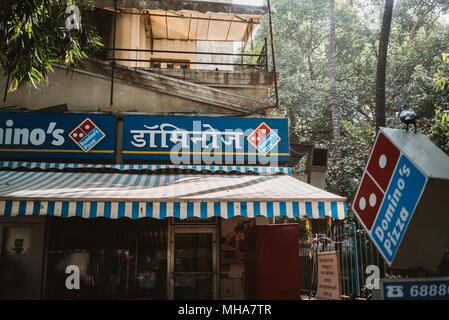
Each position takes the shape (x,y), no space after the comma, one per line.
(415,69)
(34,36)
(441,78)
(439,132)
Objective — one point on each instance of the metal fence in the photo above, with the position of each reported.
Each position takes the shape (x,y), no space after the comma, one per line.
(262,57)
(356,252)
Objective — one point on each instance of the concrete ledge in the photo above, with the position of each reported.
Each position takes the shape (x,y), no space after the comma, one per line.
(88,88)
(176,87)
(221,79)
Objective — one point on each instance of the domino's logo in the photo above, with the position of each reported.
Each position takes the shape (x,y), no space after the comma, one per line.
(264,139)
(387,196)
(87,135)
(375,181)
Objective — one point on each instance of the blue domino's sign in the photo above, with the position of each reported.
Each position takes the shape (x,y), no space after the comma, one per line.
(27,135)
(399,203)
(206,140)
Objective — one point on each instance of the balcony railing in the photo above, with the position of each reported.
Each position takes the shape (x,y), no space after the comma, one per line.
(261,64)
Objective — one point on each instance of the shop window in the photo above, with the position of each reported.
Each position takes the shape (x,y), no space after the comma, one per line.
(117,259)
(15,263)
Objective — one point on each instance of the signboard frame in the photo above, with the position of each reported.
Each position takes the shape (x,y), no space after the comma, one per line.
(48,136)
(336,256)
(371,231)
(201,140)
(418,282)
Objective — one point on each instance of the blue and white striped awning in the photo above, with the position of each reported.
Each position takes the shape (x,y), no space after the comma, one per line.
(137,195)
(142,167)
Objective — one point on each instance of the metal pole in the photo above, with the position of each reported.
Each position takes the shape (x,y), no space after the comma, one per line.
(356,260)
(344,267)
(6,89)
(351,261)
(113,54)
(378,258)
(342,263)
(190,62)
(272,54)
(363,257)
(241,57)
(266,54)
(184,52)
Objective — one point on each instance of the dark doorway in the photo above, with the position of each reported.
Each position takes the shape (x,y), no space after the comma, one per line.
(117,259)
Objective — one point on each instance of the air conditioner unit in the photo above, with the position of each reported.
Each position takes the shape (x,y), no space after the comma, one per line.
(316,167)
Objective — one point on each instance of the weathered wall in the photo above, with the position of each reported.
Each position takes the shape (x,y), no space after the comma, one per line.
(175,45)
(251,84)
(82,91)
(215,47)
(131,34)
(91,91)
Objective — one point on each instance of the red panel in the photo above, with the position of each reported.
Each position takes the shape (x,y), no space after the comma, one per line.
(277,262)
(368,201)
(258,135)
(77,134)
(383,161)
(87,126)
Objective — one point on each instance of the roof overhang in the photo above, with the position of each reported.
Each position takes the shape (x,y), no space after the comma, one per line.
(177,5)
(208,26)
(197,26)
(158,195)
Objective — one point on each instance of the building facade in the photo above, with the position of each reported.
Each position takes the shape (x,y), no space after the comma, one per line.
(91,179)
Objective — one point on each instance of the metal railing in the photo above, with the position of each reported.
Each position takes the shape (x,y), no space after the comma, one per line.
(356,252)
(261,62)
(262,59)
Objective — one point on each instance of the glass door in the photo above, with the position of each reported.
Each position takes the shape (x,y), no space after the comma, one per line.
(193,263)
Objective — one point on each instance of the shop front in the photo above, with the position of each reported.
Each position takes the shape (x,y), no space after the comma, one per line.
(150,207)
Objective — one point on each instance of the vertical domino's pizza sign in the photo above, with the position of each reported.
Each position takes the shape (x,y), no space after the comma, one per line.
(388,194)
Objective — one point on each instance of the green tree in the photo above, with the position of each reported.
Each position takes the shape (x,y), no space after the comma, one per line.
(33,35)
(442,76)
(302,32)
(382,63)
(332,80)
(439,130)
(413,14)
